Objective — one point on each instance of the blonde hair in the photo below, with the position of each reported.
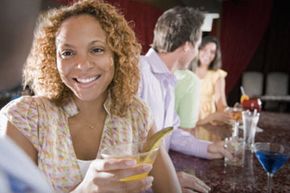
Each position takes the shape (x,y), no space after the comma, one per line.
(40,72)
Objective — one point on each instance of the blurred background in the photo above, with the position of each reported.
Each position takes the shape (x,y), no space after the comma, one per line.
(254,36)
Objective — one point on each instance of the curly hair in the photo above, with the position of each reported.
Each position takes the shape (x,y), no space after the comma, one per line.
(217,61)
(40,72)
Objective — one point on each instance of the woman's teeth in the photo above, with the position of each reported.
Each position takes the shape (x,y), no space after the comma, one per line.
(86,80)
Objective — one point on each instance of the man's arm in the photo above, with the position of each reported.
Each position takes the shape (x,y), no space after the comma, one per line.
(184,142)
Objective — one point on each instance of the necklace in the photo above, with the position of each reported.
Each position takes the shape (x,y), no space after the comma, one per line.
(91,126)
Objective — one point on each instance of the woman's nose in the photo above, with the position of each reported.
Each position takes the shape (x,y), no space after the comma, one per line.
(84,63)
(207,54)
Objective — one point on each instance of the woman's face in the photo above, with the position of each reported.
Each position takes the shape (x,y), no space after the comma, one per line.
(84,60)
(207,54)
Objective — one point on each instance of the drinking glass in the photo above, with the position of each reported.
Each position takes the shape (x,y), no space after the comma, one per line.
(236,116)
(252,104)
(236,146)
(250,121)
(272,157)
(248,103)
(131,151)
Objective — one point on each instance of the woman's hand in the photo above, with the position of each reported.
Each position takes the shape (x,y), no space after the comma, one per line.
(105,175)
(191,183)
(216,118)
(220,117)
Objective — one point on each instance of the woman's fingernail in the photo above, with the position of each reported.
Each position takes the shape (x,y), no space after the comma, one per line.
(149,179)
(147,167)
(131,163)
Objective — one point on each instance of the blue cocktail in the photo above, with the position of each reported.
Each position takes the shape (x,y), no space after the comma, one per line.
(272,157)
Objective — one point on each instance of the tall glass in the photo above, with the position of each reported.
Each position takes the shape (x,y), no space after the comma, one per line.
(272,157)
(250,121)
(236,116)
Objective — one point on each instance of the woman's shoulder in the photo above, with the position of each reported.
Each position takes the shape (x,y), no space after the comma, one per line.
(217,74)
(139,110)
(26,103)
(138,105)
(221,73)
(27,114)
(31,99)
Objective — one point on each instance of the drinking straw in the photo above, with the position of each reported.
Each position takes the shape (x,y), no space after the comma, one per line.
(242,90)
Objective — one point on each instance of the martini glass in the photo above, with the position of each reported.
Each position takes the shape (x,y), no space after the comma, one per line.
(272,157)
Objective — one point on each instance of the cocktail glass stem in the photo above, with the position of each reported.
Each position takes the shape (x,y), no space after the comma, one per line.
(269,182)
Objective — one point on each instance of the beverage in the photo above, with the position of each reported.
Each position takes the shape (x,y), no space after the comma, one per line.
(235,112)
(148,159)
(135,177)
(250,121)
(131,151)
(143,152)
(272,156)
(236,146)
(252,104)
(156,139)
(236,115)
(271,161)
(243,98)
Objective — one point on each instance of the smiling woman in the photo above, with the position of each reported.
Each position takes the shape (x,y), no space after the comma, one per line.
(48,37)
(83,70)
(85,63)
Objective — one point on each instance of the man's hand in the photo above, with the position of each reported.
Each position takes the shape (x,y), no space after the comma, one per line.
(191,183)
(216,150)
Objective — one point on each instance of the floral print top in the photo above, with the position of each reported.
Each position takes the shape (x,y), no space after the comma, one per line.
(46,126)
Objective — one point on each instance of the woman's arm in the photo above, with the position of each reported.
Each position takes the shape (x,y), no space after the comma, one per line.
(221,105)
(215,118)
(21,141)
(163,171)
(220,95)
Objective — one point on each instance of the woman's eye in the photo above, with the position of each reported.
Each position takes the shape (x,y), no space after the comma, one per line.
(66,53)
(97,50)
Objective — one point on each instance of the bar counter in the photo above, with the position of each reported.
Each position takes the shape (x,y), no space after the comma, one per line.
(251,178)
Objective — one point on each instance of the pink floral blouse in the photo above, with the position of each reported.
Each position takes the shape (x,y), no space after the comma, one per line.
(46,127)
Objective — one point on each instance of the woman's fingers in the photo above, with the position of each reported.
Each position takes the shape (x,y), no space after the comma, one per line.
(116,169)
(113,164)
(186,190)
(117,175)
(136,186)
(199,184)
(106,175)
(128,186)
(191,182)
